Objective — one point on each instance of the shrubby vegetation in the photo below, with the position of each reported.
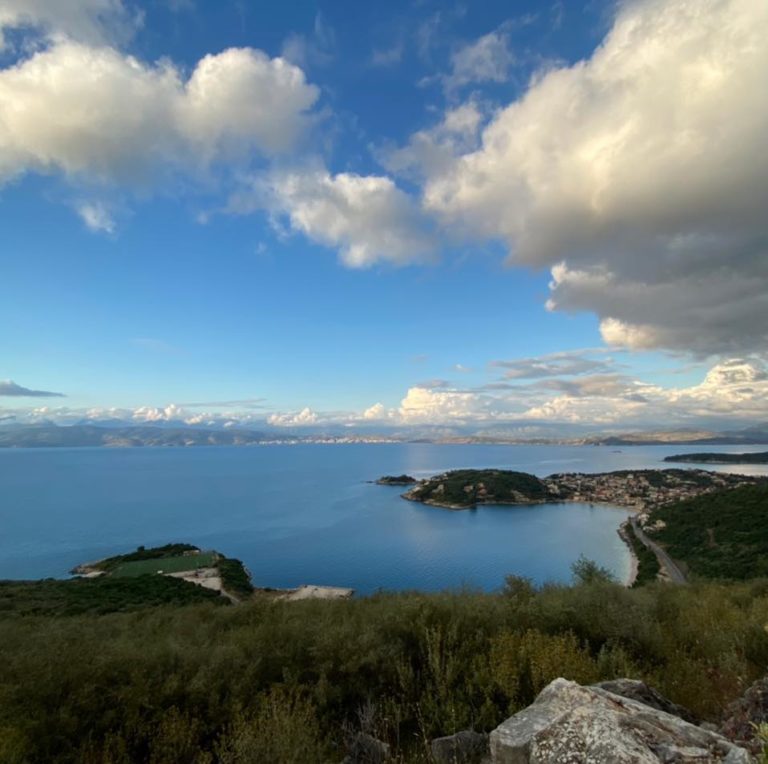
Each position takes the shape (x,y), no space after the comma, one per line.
(274,681)
(718,535)
(234,577)
(98,595)
(465,488)
(714,458)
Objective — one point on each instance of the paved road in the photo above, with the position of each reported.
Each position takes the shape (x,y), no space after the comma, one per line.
(666,562)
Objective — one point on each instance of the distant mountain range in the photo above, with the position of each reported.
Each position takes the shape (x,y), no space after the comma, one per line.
(51,435)
(116,433)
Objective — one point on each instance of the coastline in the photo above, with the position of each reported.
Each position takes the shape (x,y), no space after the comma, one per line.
(634,565)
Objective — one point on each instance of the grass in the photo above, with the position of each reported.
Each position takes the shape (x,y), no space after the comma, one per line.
(142,553)
(177,564)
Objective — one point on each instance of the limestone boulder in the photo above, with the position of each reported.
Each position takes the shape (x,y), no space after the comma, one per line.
(571,724)
(634,689)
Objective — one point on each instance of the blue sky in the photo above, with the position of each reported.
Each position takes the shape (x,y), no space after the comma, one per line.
(492,215)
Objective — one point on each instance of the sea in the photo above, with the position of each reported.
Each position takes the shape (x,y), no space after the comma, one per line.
(310,513)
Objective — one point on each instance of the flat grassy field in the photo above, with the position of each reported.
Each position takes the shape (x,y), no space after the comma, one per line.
(166,564)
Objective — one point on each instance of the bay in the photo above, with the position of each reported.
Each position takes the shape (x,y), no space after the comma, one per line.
(306,514)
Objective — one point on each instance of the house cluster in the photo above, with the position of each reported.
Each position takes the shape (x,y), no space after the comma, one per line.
(643,489)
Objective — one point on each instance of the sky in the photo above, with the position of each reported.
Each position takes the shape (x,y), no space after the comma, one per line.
(502,216)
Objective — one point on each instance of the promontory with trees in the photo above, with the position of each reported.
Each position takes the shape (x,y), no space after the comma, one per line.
(715,458)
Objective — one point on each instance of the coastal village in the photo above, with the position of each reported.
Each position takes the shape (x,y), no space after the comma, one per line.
(642,490)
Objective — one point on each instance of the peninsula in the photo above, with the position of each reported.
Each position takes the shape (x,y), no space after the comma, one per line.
(637,489)
(207,569)
(211,570)
(760,457)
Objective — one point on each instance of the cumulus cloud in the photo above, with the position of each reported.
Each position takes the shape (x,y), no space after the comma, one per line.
(640,176)
(553,365)
(376,413)
(157,414)
(733,393)
(89,21)
(11,389)
(297,419)
(422,405)
(91,112)
(366,217)
(432,151)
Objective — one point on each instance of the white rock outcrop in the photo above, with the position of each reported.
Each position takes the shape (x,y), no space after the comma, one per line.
(571,724)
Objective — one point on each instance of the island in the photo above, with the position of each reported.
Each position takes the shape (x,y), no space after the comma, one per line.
(396,480)
(760,457)
(637,489)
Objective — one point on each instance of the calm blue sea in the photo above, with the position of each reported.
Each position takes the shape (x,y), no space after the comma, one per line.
(306,514)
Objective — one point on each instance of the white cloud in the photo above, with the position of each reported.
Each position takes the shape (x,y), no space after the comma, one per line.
(368,218)
(155,414)
(301,418)
(89,21)
(93,113)
(641,176)
(425,406)
(432,151)
(376,412)
(96,217)
(487,59)
(554,365)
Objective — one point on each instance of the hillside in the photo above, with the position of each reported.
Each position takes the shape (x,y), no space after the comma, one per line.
(718,535)
(276,681)
(461,489)
(79,435)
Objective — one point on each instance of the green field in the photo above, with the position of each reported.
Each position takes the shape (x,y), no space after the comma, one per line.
(165,564)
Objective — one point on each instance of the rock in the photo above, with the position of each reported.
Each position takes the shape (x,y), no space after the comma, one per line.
(641,692)
(741,716)
(571,724)
(465,747)
(366,749)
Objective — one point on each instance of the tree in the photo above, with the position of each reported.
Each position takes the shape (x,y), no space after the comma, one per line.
(586,571)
